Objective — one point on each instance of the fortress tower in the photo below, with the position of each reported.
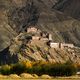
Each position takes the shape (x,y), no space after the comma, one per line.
(50,37)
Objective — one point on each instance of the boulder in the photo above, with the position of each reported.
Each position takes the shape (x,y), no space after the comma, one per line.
(44,76)
(26,75)
(14,76)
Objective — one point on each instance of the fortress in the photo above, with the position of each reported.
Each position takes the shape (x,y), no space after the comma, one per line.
(47,37)
(42,36)
(38,34)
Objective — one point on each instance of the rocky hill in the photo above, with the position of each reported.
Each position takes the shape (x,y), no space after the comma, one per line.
(39,47)
(59,17)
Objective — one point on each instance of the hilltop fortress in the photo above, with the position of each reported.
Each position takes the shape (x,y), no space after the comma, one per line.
(36,45)
(33,34)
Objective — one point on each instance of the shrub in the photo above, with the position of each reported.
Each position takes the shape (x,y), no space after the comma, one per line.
(5,70)
(18,68)
(54,69)
(27,64)
(62,70)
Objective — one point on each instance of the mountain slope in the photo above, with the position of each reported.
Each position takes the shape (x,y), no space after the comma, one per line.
(6,32)
(8,24)
(69,7)
(40,13)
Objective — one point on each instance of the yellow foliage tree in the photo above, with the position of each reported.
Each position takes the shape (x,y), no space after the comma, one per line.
(27,63)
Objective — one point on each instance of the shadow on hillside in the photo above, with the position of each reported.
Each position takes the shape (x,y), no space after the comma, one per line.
(7,58)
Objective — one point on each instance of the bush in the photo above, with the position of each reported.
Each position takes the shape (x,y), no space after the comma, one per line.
(5,70)
(54,69)
(18,68)
(62,70)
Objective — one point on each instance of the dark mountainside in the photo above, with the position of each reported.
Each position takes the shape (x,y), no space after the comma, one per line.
(69,7)
(17,15)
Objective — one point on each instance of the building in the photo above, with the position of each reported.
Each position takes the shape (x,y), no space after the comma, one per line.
(35,38)
(32,30)
(54,45)
(60,45)
(50,37)
(44,34)
(66,45)
(44,39)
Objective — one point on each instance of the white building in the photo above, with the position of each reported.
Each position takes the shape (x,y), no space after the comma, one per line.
(32,30)
(50,37)
(54,45)
(60,45)
(64,45)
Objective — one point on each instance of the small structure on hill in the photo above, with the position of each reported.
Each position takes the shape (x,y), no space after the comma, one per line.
(35,38)
(66,45)
(60,45)
(32,29)
(50,37)
(41,35)
(46,36)
(54,45)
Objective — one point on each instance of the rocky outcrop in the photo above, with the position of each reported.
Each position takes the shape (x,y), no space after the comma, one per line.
(39,50)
